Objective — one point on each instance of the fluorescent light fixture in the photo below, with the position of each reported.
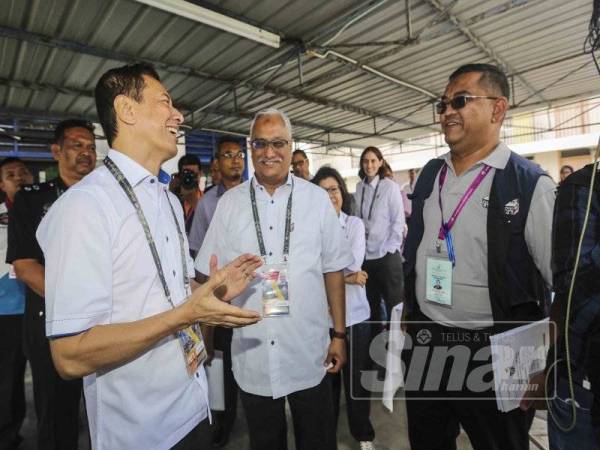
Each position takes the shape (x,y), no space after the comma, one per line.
(215,20)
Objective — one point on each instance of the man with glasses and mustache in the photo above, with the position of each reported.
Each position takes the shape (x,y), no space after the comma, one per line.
(477,253)
(230,160)
(56,400)
(291,223)
(300,165)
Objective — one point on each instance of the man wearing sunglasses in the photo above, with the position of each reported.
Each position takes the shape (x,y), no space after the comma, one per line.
(292,224)
(477,254)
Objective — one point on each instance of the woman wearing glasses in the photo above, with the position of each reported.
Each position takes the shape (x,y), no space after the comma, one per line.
(378,202)
(357,313)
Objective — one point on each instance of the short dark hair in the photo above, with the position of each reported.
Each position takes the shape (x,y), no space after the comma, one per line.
(9,160)
(188,160)
(62,127)
(566,166)
(377,152)
(330,172)
(491,76)
(299,152)
(226,140)
(126,80)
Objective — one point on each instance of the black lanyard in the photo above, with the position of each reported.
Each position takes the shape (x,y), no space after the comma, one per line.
(362,199)
(116,172)
(288,223)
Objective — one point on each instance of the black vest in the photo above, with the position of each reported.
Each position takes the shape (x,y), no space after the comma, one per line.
(516,288)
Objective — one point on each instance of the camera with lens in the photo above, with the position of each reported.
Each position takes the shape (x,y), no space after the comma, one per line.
(189,179)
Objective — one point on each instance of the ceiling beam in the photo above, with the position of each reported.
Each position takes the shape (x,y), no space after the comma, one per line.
(240,114)
(39,39)
(481,45)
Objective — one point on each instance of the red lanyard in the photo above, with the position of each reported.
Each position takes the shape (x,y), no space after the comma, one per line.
(444,233)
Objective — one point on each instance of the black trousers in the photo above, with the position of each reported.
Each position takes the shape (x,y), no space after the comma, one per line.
(197,439)
(225,419)
(12,385)
(312,414)
(56,400)
(439,398)
(358,399)
(386,282)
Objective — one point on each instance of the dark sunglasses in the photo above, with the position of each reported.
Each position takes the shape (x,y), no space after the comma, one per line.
(458,102)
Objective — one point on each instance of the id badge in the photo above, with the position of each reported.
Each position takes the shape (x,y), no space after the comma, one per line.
(274,286)
(194,351)
(438,287)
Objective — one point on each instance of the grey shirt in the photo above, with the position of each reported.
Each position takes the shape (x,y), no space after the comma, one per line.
(470,295)
(203,215)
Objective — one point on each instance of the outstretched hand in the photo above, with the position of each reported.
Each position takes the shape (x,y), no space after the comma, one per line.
(235,276)
(208,302)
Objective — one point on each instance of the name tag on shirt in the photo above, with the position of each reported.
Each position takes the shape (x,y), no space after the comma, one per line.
(194,351)
(274,285)
(438,287)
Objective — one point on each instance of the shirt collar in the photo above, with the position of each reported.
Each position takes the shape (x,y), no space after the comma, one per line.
(497,159)
(288,181)
(343,217)
(373,182)
(134,172)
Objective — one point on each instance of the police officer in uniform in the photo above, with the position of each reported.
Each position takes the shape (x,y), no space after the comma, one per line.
(56,400)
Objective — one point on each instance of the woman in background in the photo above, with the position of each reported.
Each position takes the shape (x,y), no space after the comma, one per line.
(378,202)
(357,313)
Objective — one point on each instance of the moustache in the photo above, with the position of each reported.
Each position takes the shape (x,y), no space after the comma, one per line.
(84,160)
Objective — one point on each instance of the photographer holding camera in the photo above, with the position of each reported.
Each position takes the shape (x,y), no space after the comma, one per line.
(189,190)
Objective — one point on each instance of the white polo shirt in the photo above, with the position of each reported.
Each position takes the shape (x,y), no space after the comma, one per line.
(99,270)
(280,355)
(357,305)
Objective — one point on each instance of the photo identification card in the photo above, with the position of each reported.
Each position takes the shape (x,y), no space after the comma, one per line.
(439,280)
(274,284)
(194,351)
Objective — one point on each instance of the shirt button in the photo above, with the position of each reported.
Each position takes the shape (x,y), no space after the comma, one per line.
(272,201)
(152,180)
(167,238)
(41,313)
(270,228)
(272,342)
(174,273)
(270,253)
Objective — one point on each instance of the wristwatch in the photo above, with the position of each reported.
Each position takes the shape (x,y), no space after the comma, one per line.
(339,334)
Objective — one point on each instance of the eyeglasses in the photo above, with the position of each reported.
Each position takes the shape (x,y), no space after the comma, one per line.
(262,144)
(334,190)
(458,102)
(298,163)
(229,155)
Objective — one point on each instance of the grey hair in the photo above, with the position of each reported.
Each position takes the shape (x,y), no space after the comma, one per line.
(273,112)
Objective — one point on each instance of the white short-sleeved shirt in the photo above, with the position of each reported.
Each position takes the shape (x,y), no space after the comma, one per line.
(357,304)
(99,270)
(278,356)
